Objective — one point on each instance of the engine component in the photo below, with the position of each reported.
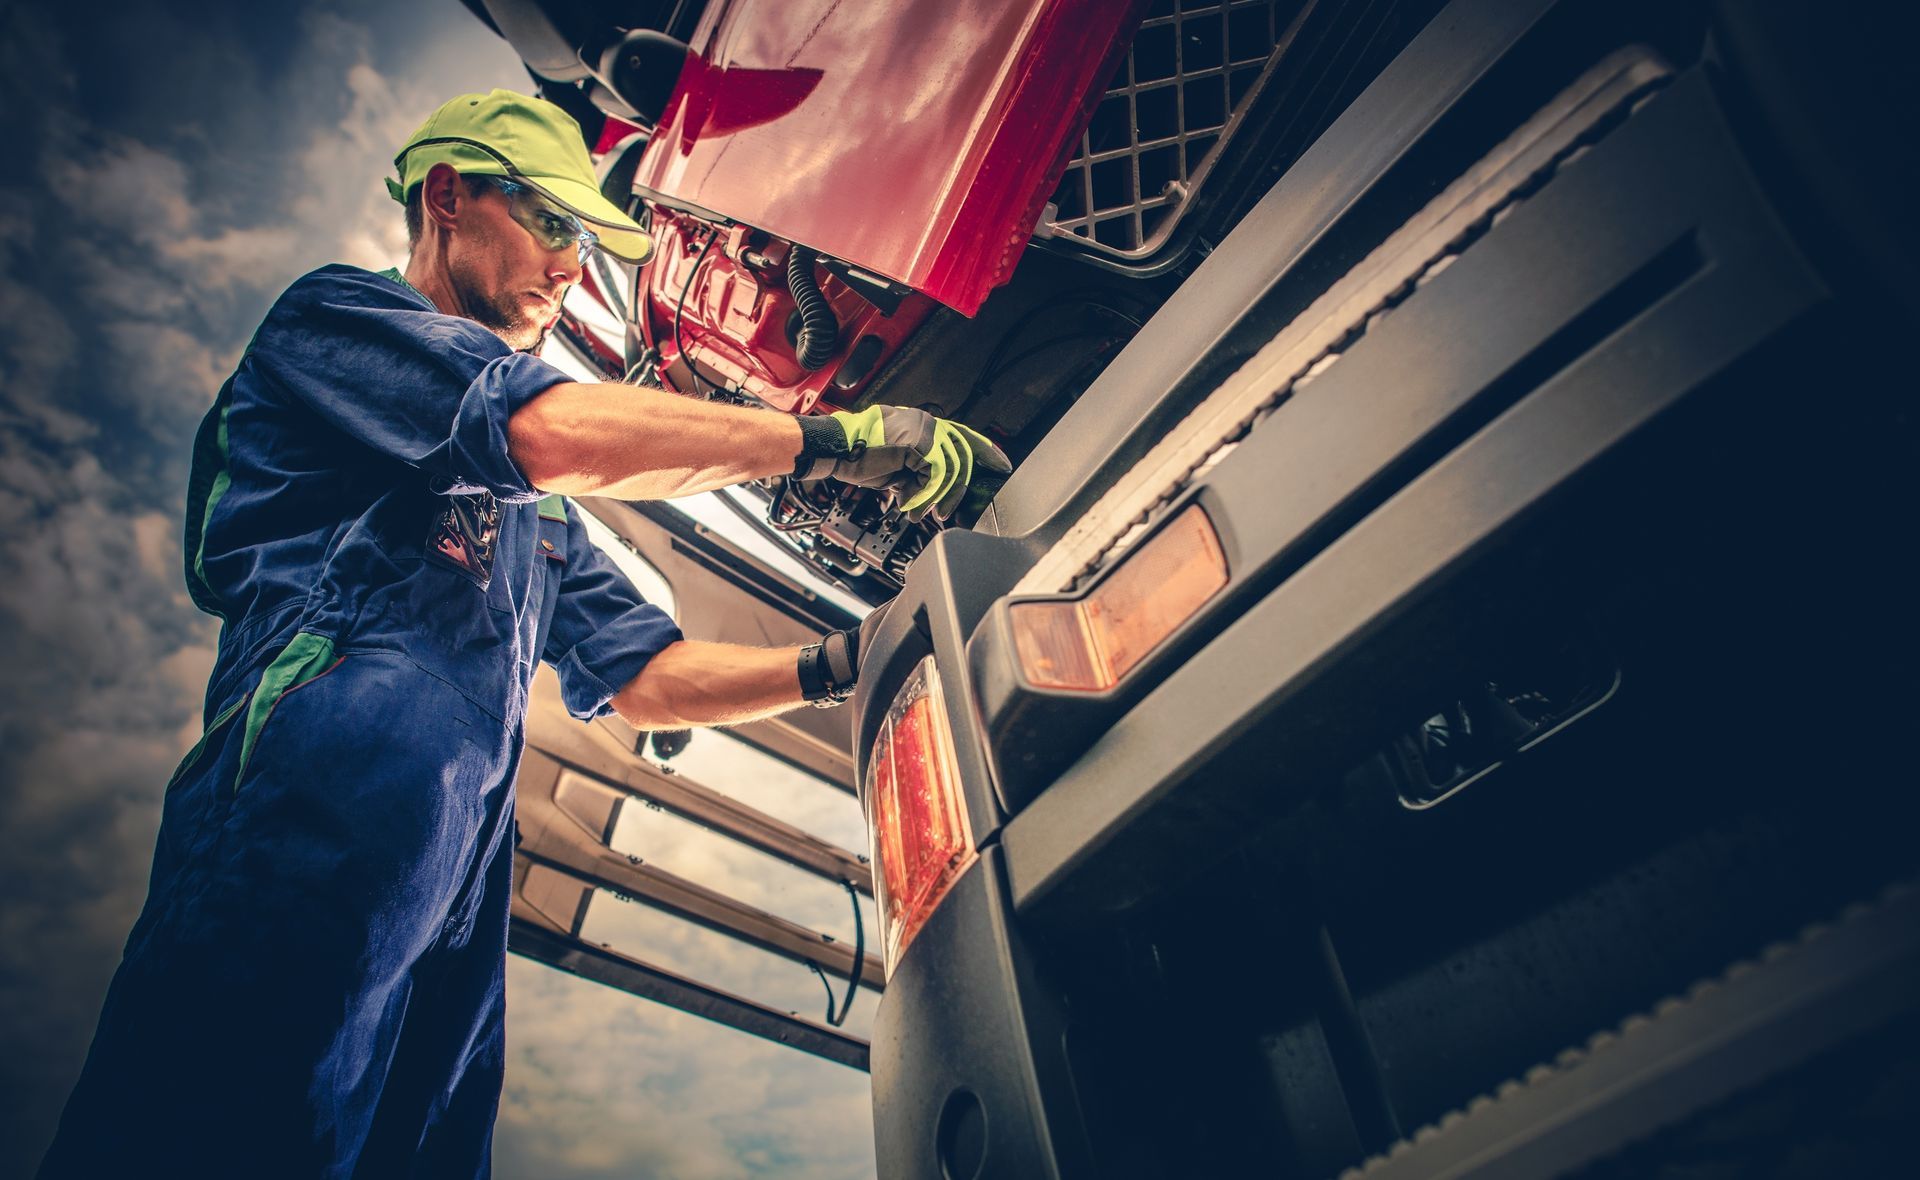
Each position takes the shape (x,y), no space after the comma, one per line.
(819,332)
(850,532)
(729,310)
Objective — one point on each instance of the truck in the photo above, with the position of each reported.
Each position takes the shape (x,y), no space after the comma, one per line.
(1433,697)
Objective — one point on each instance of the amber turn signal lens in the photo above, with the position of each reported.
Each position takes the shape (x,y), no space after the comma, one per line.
(1091,643)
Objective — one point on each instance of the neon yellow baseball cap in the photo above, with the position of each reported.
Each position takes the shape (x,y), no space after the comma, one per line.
(529,140)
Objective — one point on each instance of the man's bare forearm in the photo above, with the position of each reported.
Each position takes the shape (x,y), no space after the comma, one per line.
(692,683)
(633,443)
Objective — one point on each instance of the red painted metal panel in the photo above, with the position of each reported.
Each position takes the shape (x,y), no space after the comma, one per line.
(915,138)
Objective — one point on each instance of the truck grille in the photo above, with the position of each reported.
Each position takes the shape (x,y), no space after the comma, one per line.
(1193,71)
(1319,336)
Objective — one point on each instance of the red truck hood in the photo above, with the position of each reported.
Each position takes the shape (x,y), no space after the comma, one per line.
(918,139)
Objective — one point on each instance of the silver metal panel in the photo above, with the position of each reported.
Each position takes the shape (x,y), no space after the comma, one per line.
(559,836)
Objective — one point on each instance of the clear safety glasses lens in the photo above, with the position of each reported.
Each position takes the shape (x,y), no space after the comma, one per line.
(552,227)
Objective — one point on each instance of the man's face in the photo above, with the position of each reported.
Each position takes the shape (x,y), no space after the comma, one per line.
(505,278)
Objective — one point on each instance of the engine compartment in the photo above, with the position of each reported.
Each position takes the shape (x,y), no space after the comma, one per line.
(714,315)
(729,309)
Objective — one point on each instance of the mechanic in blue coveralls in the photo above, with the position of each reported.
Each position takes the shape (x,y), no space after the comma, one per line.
(315,987)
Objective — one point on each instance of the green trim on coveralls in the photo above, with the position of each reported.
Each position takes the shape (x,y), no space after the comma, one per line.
(305,657)
(393,272)
(206,735)
(207,481)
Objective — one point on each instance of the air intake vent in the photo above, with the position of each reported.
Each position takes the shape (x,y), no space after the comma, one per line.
(1195,68)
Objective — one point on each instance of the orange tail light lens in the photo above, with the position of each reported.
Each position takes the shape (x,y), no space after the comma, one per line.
(916,819)
(1090,643)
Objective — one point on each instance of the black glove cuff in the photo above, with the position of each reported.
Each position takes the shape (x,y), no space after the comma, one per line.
(829,670)
(820,438)
(813,680)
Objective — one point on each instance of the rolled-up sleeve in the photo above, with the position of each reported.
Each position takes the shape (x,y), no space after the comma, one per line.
(603,633)
(431,390)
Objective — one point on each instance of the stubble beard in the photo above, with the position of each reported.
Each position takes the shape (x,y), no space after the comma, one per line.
(501,315)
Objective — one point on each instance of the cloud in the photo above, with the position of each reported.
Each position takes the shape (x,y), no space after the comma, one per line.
(38,343)
(605,1085)
(127,185)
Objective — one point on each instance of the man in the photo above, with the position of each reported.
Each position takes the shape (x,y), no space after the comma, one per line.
(315,985)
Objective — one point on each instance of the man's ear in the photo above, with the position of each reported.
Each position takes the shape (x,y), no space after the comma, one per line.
(441,195)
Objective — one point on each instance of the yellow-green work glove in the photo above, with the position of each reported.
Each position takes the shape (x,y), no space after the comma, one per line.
(929,462)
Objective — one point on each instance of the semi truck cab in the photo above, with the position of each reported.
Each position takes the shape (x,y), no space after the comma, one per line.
(1433,698)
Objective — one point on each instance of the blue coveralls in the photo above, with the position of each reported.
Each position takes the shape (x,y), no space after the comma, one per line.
(315,986)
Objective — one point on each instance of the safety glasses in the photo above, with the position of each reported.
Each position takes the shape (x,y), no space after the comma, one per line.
(551,226)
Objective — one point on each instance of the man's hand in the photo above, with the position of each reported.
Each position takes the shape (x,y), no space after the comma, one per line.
(930,462)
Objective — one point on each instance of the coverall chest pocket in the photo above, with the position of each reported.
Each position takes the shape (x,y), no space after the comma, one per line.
(461,543)
(465,537)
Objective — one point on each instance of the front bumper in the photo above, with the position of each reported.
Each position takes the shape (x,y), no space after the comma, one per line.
(1527,442)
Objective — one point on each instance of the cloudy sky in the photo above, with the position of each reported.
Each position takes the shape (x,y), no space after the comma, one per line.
(172,166)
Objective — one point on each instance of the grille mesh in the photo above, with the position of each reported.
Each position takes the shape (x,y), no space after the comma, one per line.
(1194,68)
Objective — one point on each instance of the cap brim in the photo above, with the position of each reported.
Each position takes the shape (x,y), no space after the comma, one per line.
(619,234)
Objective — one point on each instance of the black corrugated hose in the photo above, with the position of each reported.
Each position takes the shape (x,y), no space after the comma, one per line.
(819,331)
